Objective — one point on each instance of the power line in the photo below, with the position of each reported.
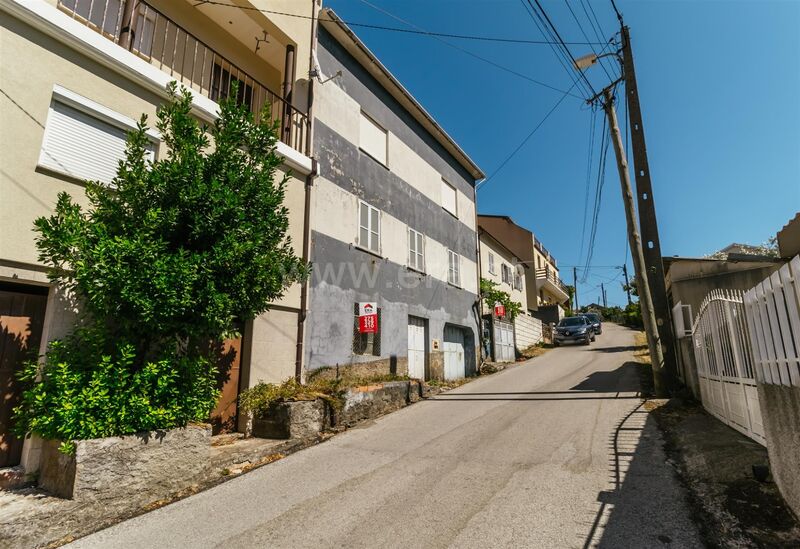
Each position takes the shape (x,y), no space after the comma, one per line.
(397,29)
(559,55)
(601,177)
(566,49)
(575,17)
(598,31)
(522,144)
(592,125)
(467,52)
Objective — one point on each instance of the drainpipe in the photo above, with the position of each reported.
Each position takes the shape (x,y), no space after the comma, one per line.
(127,33)
(288,80)
(480,299)
(302,315)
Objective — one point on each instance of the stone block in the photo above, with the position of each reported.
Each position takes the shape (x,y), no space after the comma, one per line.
(293,419)
(148,465)
(371,401)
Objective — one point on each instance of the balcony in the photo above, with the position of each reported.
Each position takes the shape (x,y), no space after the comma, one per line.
(547,280)
(539,246)
(170,47)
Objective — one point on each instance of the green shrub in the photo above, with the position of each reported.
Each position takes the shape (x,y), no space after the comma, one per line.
(165,264)
(90,388)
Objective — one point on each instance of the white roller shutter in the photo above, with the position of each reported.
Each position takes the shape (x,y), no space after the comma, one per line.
(82,146)
(373,139)
(449,198)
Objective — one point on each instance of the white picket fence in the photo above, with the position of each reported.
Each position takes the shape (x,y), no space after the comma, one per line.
(773,314)
(725,364)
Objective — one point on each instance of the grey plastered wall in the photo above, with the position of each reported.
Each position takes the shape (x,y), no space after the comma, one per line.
(386,111)
(344,275)
(780,411)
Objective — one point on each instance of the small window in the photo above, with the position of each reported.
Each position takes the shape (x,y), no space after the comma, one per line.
(366,344)
(416,250)
(373,139)
(491,263)
(505,273)
(369,228)
(449,198)
(454,268)
(517,282)
(83,145)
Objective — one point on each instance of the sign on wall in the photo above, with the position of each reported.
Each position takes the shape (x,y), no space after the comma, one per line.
(368,318)
(499,310)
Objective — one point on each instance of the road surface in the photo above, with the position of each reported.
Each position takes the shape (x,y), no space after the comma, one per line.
(556,452)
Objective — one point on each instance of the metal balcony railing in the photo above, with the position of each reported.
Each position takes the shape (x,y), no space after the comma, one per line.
(168,46)
(539,246)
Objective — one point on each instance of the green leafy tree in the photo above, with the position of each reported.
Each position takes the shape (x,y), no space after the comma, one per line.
(492,295)
(164,263)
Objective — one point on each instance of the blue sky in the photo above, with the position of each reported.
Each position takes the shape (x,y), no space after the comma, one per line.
(719,83)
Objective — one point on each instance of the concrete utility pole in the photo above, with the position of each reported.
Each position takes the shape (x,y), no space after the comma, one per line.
(575,285)
(627,283)
(603,292)
(653,264)
(635,241)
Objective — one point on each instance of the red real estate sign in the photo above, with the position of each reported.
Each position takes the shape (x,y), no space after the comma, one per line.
(499,310)
(368,318)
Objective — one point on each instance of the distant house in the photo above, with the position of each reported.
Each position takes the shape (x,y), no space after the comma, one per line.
(546,294)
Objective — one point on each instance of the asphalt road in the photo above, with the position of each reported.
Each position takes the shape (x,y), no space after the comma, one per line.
(556,452)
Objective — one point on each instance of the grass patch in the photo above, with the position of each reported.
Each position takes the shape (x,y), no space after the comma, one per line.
(535,350)
(259,398)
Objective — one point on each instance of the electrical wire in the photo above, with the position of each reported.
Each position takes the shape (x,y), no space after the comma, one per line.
(559,55)
(598,31)
(397,29)
(480,185)
(468,52)
(601,176)
(592,125)
(583,32)
(563,45)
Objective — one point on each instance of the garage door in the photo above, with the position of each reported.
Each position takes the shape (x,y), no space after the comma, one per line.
(416,347)
(21,320)
(504,342)
(454,363)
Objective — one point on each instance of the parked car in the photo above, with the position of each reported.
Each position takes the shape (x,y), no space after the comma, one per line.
(597,322)
(573,329)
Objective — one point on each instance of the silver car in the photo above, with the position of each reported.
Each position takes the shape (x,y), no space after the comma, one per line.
(573,329)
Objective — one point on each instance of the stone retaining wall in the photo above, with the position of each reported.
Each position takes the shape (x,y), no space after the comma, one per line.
(150,464)
(371,401)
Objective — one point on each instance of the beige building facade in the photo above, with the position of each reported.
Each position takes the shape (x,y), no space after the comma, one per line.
(73,81)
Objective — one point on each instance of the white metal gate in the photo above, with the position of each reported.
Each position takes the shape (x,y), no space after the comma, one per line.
(504,341)
(416,347)
(725,363)
(454,360)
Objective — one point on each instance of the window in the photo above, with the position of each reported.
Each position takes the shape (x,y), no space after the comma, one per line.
(453,268)
(491,263)
(373,139)
(366,344)
(505,273)
(449,198)
(416,250)
(222,83)
(517,282)
(369,229)
(83,139)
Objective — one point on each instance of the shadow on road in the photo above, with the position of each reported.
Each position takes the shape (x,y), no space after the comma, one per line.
(623,379)
(618,349)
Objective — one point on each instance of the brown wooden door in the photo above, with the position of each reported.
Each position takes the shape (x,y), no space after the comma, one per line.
(229,358)
(21,319)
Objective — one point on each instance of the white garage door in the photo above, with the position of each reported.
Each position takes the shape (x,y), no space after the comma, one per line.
(454,363)
(504,342)
(416,347)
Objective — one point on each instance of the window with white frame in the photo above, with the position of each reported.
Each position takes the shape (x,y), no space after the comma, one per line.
(416,250)
(449,198)
(491,263)
(369,230)
(373,139)
(505,273)
(453,268)
(83,139)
